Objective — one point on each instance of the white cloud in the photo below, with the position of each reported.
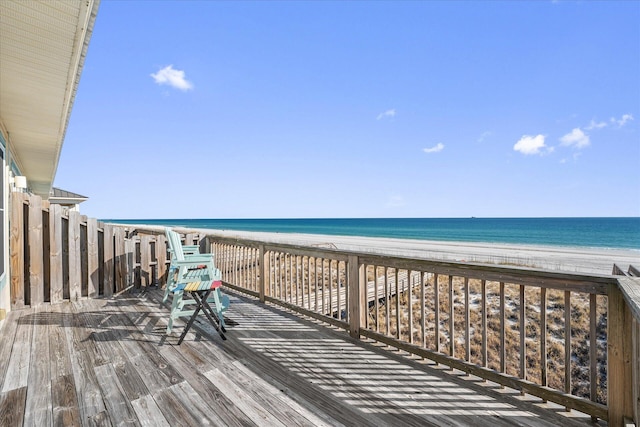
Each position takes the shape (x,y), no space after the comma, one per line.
(387,114)
(596,125)
(576,138)
(530,144)
(622,120)
(174,78)
(436,149)
(484,136)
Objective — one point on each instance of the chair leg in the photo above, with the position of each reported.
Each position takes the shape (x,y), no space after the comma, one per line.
(219,308)
(171,280)
(189,324)
(175,307)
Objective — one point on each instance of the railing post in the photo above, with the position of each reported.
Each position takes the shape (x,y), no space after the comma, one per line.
(357,296)
(265,269)
(619,386)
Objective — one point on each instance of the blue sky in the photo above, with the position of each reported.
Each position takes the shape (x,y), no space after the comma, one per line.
(358,109)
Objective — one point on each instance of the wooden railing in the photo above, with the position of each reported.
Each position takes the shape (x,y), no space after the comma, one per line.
(567,338)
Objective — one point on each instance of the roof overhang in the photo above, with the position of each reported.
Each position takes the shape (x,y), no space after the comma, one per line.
(43,45)
(65,198)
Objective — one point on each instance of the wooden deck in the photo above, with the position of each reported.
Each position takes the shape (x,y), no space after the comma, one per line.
(108,362)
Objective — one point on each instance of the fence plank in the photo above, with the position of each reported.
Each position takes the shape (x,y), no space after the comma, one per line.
(35,245)
(161,257)
(75,276)
(16,250)
(109,277)
(146,275)
(129,266)
(120,259)
(55,253)
(92,258)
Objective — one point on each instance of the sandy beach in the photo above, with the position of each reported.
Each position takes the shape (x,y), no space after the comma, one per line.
(571,259)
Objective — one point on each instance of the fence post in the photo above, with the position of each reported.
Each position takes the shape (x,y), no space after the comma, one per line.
(357,296)
(619,386)
(265,268)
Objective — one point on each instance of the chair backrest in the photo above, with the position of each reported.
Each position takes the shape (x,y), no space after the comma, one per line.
(175,245)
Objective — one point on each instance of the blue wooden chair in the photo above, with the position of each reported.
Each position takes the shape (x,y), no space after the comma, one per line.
(193,275)
(188,252)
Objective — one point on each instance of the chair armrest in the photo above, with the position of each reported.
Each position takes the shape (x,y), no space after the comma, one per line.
(191,249)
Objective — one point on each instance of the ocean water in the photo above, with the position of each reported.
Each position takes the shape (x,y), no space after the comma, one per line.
(619,233)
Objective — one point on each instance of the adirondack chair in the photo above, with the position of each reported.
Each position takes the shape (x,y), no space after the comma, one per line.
(193,275)
(173,241)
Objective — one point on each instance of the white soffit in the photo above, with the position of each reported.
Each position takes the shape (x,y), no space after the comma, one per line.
(42,50)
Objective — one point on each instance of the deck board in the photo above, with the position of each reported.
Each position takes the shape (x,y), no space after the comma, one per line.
(38,408)
(98,362)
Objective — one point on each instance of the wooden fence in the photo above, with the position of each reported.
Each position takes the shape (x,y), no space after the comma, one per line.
(567,338)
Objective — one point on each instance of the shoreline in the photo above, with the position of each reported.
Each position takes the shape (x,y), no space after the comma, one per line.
(557,258)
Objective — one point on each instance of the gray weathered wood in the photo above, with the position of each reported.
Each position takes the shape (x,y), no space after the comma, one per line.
(256,413)
(146,275)
(117,405)
(357,281)
(286,373)
(120,260)
(64,401)
(16,249)
(36,261)
(161,258)
(619,388)
(55,253)
(12,407)
(109,260)
(17,372)
(148,412)
(92,258)
(75,279)
(38,406)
